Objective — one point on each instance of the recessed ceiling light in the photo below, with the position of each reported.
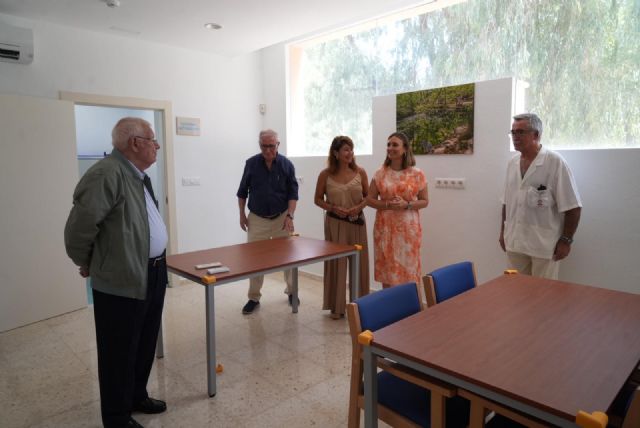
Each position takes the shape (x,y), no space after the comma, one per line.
(212,26)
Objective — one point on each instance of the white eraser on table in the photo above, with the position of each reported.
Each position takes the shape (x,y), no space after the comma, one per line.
(208,265)
(220,269)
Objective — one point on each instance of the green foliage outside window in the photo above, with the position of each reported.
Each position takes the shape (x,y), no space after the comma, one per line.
(581,60)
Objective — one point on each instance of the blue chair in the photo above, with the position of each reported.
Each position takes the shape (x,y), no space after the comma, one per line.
(405,398)
(448,281)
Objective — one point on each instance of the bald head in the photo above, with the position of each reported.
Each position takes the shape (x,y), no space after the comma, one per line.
(126,128)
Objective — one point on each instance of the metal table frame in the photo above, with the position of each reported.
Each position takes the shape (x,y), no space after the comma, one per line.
(348,251)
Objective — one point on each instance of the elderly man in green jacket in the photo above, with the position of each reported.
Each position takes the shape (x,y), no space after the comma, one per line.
(116,236)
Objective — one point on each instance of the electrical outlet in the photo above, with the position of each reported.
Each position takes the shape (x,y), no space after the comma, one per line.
(459,183)
(450,183)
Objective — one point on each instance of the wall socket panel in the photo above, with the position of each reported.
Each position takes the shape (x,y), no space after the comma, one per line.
(450,183)
(190,181)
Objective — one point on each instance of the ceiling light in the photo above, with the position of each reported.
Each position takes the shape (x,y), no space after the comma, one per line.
(212,26)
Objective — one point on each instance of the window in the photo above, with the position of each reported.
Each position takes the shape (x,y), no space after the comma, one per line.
(580,60)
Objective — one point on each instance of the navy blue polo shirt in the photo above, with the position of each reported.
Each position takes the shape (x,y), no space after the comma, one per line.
(268,190)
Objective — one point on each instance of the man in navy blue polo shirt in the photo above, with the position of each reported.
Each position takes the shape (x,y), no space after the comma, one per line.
(269,181)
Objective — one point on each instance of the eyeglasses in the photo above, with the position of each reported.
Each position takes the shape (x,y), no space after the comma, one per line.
(520,132)
(268,146)
(153,140)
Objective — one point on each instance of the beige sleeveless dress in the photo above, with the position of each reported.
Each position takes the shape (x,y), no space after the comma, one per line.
(344,232)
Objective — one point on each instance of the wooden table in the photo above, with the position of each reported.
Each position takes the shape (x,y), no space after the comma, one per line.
(546,348)
(253,259)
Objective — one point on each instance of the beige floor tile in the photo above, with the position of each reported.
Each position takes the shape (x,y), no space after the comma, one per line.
(39,404)
(85,415)
(331,396)
(293,413)
(280,369)
(197,413)
(296,375)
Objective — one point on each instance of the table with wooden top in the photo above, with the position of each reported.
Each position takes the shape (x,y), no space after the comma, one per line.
(253,259)
(542,347)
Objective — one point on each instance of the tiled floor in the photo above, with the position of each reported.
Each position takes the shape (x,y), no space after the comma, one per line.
(280,369)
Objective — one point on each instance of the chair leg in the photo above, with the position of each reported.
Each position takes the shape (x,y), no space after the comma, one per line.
(476,415)
(438,410)
(354,391)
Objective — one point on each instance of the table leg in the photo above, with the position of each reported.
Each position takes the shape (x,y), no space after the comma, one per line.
(160,343)
(294,290)
(211,341)
(370,388)
(354,275)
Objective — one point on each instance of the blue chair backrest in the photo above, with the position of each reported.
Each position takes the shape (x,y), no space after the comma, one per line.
(449,281)
(387,306)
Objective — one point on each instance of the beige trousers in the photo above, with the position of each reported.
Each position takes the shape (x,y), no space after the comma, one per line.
(261,229)
(534,266)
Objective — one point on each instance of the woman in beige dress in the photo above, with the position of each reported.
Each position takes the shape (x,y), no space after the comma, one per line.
(341,191)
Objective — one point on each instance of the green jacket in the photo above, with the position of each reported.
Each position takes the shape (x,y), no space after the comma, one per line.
(108,228)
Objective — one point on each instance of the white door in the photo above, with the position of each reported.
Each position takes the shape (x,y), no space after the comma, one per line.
(38,172)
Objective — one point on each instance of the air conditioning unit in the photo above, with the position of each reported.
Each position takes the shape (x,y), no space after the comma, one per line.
(16,44)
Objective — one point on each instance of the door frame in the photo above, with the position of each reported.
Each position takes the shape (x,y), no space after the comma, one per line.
(141,103)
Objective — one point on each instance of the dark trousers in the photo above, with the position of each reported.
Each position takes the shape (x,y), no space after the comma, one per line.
(126,334)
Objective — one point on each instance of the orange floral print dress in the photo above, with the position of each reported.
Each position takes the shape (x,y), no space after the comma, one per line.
(397,234)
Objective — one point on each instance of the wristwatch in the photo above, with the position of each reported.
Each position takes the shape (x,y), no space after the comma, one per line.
(290,216)
(566,239)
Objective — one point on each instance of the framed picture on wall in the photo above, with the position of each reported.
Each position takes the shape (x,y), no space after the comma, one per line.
(438,121)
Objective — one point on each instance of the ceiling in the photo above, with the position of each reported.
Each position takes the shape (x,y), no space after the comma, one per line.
(248,25)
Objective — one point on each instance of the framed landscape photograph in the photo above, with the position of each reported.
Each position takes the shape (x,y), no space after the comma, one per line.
(437,121)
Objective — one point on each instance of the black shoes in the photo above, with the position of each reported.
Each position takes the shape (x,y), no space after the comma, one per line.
(291,300)
(150,406)
(133,424)
(250,307)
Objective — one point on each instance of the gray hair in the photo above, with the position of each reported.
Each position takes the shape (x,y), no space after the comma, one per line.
(126,128)
(534,121)
(266,133)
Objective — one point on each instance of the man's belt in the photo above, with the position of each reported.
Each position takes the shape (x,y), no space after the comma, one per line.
(155,260)
(270,217)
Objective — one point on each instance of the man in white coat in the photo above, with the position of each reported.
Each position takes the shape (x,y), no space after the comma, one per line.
(540,206)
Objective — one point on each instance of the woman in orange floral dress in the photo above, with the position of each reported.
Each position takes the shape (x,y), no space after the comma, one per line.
(397,191)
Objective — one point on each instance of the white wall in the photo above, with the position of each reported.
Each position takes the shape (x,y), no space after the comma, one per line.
(224,93)
(464,224)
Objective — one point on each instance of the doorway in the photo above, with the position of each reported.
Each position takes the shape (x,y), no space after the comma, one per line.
(95,117)
(93,139)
